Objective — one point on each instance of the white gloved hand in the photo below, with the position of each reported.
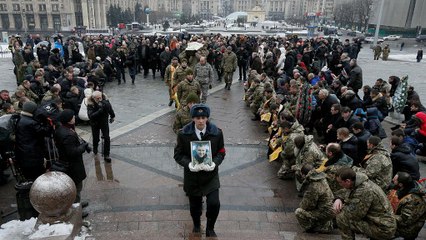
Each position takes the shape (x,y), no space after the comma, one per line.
(207,167)
(195,168)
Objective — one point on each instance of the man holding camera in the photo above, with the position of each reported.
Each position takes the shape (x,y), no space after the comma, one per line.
(98,110)
(71,148)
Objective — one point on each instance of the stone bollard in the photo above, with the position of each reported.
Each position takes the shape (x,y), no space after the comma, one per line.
(52,195)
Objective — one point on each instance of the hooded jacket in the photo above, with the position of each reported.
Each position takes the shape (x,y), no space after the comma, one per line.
(422,117)
(404,161)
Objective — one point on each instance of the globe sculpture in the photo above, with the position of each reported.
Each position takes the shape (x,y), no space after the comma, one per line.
(52,195)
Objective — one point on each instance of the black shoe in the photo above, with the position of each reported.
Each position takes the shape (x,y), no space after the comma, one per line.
(107,159)
(229,87)
(84,204)
(84,214)
(210,233)
(226,86)
(95,151)
(196,230)
(170,103)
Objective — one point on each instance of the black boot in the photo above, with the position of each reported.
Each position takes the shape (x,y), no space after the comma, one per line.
(256,117)
(197,225)
(170,103)
(210,228)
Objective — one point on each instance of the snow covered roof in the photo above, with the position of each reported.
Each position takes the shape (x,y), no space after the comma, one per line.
(235,15)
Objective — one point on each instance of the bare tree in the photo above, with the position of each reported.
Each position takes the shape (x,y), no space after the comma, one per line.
(354,14)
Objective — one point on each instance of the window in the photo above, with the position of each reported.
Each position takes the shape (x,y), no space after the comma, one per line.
(16,7)
(3,7)
(29,7)
(43,22)
(5,21)
(18,21)
(42,7)
(56,22)
(55,7)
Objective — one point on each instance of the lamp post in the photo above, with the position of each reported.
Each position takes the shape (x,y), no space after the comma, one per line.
(376,35)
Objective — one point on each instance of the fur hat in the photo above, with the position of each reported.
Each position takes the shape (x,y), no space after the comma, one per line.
(200,110)
(29,107)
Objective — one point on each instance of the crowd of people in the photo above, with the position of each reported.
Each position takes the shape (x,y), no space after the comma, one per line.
(305,93)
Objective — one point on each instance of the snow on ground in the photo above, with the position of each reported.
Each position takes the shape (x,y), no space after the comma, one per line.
(23,230)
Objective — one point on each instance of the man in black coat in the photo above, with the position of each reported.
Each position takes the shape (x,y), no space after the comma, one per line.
(98,110)
(349,144)
(243,56)
(355,76)
(201,179)
(402,159)
(363,136)
(29,148)
(71,148)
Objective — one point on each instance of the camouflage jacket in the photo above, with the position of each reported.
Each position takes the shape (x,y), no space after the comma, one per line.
(411,213)
(183,117)
(330,168)
(180,75)
(28,93)
(229,62)
(169,73)
(185,88)
(288,144)
(318,195)
(367,202)
(257,97)
(203,73)
(310,153)
(378,166)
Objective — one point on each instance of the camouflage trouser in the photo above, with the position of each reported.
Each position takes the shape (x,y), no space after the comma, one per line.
(410,232)
(254,107)
(285,171)
(314,220)
(348,229)
(204,91)
(227,76)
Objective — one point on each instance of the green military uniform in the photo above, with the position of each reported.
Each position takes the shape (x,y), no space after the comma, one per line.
(378,166)
(366,210)
(309,153)
(185,88)
(315,211)
(28,93)
(385,53)
(330,168)
(377,51)
(229,65)
(287,155)
(411,213)
(257,99)
(180,75)
(20,67)
(204,75)
(183,117)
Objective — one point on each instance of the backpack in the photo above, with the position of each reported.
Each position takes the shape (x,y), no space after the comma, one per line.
(8,127)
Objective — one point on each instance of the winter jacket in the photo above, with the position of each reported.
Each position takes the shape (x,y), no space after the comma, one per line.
(203,182)
(362,143)
(71,151)
(404,161)
(350,148)
(422,117)
(378,166)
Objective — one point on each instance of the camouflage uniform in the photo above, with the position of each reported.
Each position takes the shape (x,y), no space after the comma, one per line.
(378,166)
(257,99)
(310,153)
(366,210)
(183,117)
(28,93)
(315,211)
(229,65)
(204,75)
(180,75)
(330,168)
(168,75)
(410,214)
(287,155)
(186,87)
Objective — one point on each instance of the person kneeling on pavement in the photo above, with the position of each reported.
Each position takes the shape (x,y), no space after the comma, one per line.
(71,148)
(315,212)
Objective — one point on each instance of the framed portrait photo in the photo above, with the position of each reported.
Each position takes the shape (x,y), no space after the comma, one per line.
(201,152)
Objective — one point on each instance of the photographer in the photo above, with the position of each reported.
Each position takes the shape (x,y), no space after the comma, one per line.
(71,148)
(98,110)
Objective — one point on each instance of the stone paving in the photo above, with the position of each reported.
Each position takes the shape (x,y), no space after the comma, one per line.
(139,195)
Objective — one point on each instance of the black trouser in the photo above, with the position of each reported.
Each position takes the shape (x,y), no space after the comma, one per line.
(213,207)
(32,173)
(242,67)
(79,187)
(121,74)
(104,128)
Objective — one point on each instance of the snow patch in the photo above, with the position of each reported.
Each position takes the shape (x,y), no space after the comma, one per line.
(50,230)
(17,229)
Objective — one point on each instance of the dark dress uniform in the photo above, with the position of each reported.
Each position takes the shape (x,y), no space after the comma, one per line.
(201,183)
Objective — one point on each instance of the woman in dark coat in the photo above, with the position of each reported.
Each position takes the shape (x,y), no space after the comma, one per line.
(204,181)
(71,149)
